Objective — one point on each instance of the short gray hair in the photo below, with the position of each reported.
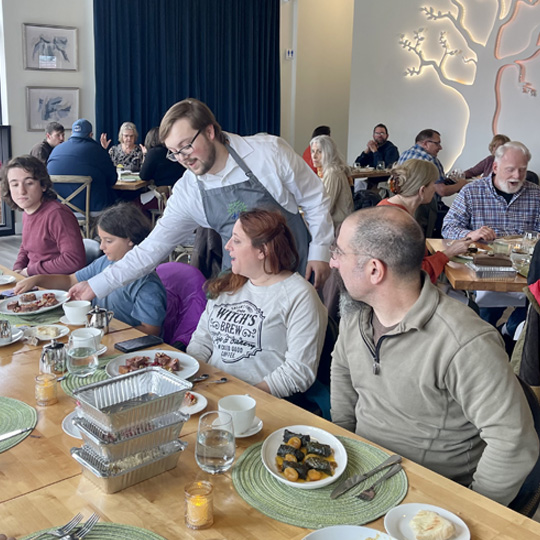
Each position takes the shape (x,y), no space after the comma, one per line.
(512,145)
(392,236)
(127,126)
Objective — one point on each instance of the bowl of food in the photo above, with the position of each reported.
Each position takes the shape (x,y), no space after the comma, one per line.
(304,457)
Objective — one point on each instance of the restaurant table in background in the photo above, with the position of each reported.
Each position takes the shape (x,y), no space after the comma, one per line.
(464,279)
(42,485)
(130,182)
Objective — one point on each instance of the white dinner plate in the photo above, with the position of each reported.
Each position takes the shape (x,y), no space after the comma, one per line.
(61,296)
(62,331)
(347,532)
(201,404)
(4,280)
(396,522)
(16,334)
(271,444)
(188,365)
(68,426)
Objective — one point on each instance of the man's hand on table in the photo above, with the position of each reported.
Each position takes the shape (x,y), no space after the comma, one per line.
(457,247)
(25,285)
(81,291)
(485,234)
(320,270)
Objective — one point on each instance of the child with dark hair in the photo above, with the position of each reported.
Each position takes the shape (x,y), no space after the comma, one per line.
(143,302)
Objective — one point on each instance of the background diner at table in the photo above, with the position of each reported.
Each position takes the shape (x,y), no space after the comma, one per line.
(127,154)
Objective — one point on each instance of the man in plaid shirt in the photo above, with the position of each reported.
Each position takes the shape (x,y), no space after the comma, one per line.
(502,204)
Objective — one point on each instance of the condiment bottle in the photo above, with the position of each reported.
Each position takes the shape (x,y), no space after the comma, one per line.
(199,505)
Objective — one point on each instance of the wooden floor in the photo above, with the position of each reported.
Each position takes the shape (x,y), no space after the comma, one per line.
(9,247)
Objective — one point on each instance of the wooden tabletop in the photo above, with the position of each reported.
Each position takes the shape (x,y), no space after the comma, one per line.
(463,278)
(42,485)
(372,173)
(130,186)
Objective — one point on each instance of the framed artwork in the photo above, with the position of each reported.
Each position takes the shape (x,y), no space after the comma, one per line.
(50,47)
(44,105)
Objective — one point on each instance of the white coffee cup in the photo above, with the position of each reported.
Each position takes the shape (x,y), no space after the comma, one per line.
(87,337)
(242,410)
(76,311)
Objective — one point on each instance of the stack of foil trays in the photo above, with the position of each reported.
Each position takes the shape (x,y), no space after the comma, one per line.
(493,273)
(130,426)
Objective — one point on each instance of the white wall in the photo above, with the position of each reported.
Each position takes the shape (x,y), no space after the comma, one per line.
(464,113)
(77,13)
(315,85)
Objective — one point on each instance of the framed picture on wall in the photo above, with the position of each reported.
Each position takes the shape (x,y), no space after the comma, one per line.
(44,105)
(50,47)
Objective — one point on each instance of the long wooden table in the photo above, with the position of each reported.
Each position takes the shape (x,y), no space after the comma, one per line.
(463,278)
(42,485)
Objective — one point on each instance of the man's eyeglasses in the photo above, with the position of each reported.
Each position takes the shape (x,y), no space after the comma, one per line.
(336,252)
(436,143)
(185,150)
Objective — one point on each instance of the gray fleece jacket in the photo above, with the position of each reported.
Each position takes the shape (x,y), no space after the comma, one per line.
(444,396)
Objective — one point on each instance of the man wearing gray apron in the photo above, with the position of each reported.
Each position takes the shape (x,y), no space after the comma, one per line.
(225,175)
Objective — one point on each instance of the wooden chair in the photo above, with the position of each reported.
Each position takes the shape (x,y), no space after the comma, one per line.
(162,193)
(82,215)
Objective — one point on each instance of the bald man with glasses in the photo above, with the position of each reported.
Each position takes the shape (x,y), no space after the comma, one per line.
(427,147)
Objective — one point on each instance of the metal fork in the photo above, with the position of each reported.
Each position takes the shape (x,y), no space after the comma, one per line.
(64,529)
(368,494)
(84,530)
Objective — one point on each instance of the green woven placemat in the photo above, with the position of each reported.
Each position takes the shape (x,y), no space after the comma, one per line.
(109,531)
(313,508)
(71,383)
(15,414)
(47,317)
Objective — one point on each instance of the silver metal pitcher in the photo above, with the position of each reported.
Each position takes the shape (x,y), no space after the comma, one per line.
(99,318)
(5,331)
(53,358)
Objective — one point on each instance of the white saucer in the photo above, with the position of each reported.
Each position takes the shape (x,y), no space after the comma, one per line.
(102,350)
(4,280)
(64,320)
(253,430)
(201,404)
(69,428)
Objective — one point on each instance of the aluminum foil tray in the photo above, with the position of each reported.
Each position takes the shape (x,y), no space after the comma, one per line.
(118,445)
(495,273)
(112,476)
(131,399)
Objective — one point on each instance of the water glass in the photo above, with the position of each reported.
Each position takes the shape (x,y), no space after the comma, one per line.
(530,238)
(381,166)
(82,359)
(215,448)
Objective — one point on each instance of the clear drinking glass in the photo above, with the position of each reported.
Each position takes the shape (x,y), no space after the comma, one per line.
(82,358)
(215,447)
(381,166)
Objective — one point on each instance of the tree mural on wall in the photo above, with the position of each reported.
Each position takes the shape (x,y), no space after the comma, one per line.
(473,66)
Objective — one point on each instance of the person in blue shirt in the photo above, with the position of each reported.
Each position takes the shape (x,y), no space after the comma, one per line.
(142,303)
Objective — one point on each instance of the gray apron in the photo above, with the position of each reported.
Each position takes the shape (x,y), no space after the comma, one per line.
(223,205)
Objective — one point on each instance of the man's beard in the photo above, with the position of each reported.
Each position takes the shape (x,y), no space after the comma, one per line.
(208,163)
(347,304)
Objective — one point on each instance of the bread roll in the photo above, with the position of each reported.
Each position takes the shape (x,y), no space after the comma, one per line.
(428,525)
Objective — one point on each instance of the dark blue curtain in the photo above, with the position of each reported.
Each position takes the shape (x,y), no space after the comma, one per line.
(149,54)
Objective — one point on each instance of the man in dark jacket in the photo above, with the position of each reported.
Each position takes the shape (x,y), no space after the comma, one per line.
(82,155)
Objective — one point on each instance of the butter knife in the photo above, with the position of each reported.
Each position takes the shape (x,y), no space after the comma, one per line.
(14,433)
(357,478)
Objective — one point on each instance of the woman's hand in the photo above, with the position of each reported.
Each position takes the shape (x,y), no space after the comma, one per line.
(25,285)
(23,272)
(458,247)
(104,141)
(81,291)
(143,149)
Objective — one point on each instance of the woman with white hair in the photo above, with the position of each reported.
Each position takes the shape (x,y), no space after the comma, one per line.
(127,154)
(334,173)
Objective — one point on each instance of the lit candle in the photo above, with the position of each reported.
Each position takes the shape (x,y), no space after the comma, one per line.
(199,505)
(46,389)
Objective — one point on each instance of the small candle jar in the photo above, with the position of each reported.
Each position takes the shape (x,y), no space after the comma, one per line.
(46,389)
(199,505)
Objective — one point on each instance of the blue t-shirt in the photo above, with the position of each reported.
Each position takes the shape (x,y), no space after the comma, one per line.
(142,301)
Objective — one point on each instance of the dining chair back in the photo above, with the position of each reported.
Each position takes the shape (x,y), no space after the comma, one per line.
(82,214)
(162,194)
(91,250)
